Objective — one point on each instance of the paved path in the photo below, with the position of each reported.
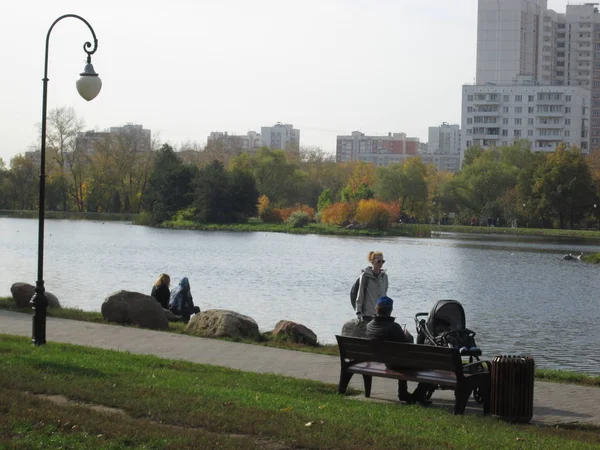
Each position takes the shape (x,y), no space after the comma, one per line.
(553,403)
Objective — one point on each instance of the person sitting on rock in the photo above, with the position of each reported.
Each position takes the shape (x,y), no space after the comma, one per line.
(160,290)
(181,303)
(384,327)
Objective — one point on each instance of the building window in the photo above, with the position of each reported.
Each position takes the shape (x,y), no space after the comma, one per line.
(506,99)
(470,109)
(567,98)
(567,121)
(505,121)
(470,120)
(531,98)
(518,98)
(567,110)
(529,133)
(517,133)
(530,110)
(517,121)
(505,109)
(530,121)
(518,109)
(504,132)
(567,133)
(469,98)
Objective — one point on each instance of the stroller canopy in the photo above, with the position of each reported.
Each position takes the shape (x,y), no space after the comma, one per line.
(446,315)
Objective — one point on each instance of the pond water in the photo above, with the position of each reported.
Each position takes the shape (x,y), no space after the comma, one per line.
(519,296)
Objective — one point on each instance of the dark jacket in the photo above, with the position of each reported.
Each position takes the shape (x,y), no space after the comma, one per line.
(386,329)
(181,303)
(161,294)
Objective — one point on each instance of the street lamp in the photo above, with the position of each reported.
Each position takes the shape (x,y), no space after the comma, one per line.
(88,86)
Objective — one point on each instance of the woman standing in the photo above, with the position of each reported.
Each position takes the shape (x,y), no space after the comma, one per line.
(373,285)
(160,290)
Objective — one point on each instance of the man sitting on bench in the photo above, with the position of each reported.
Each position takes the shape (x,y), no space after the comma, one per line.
(384,327)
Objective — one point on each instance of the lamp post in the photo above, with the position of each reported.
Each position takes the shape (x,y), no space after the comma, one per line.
(88,86)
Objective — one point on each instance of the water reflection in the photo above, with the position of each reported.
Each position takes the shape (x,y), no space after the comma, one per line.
(519,295)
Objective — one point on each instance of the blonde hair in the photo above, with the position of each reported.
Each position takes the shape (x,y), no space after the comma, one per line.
(373,255)
(163,278)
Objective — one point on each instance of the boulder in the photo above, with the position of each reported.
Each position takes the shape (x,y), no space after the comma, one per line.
(133,308)
(295,331)
(22,293)
(223,323)
(355,327)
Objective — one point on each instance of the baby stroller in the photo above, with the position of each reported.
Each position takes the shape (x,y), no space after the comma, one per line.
(445,326)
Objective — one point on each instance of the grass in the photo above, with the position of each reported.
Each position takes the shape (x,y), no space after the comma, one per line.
(583,234)
(174,404)
(313,228)
(557,376)
(70,215)
(593,258)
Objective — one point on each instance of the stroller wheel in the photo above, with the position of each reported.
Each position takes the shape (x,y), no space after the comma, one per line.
(477,395)
(429,393)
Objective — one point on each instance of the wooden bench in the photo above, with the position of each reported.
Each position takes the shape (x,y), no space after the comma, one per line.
(412,362)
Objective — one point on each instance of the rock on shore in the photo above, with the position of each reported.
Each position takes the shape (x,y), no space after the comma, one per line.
(22,293)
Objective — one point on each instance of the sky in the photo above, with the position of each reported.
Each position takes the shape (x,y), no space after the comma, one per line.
(185,68)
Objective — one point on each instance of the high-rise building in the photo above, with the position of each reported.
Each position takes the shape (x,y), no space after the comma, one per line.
(443,148)
(280,137)
(249,142)
(379,150)
(523,49)
(136,137)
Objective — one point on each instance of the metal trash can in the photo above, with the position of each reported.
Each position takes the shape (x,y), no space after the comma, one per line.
(512,388)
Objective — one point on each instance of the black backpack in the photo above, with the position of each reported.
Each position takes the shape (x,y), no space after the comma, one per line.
(354,290)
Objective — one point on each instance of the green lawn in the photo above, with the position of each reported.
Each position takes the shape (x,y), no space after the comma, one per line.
(173,404)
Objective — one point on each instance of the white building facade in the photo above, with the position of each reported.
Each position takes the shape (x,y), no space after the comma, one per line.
(493,116)
(281,137)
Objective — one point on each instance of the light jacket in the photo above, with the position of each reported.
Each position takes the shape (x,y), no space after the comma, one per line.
(376,287)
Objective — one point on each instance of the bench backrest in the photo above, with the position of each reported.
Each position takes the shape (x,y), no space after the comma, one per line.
(400,354)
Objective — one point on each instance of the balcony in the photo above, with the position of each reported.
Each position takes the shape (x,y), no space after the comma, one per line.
(554,126)
(549,113)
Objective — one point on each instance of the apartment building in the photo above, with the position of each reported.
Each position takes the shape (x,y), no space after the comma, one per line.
(545,115)
(523,48)
(281,137)
(249,142)
(443,148)
(136,136)
(379,150)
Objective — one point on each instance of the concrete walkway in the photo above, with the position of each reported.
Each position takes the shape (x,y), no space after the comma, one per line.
(553,403)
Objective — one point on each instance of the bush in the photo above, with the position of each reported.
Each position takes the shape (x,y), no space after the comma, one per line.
(271,215)
(337,214)
(285,213)
(373,214)
(298,219)
(186,214)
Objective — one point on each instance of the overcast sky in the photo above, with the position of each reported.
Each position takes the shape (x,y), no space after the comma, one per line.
(186,68)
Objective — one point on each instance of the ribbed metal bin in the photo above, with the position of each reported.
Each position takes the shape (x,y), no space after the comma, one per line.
(512,388)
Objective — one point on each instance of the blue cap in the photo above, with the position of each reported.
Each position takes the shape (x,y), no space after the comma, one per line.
(385,302)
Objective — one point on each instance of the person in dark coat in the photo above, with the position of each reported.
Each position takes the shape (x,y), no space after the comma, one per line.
(160,290)
(181,303)
(384,327)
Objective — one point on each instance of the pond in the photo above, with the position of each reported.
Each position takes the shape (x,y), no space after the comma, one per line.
(519,295)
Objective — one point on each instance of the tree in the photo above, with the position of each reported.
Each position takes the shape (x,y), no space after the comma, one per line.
(63,125)
(564,187)
(24,182)
(170,185)
(471,154)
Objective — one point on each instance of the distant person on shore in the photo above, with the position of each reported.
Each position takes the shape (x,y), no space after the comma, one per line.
(181,303)
(160,290)
(373,284)
(384,327)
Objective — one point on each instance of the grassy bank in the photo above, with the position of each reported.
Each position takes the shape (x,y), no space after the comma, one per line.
(313,228)
(557,376)
(79,397)
(100,217)
(593,258)
(582,234)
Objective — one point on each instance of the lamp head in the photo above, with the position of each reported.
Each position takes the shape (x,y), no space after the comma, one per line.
(89,84)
